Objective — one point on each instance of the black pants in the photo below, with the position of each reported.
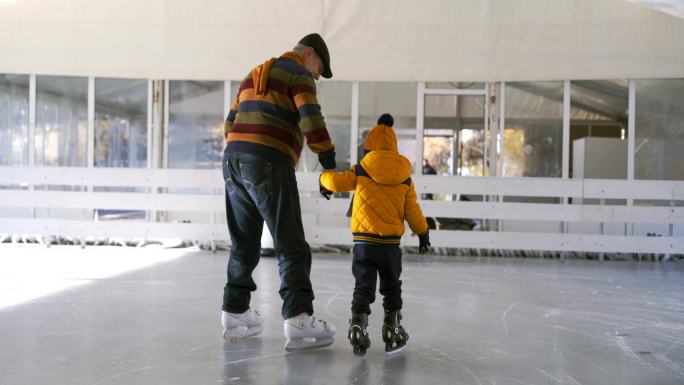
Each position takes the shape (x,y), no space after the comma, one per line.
(257,191)
(369,261)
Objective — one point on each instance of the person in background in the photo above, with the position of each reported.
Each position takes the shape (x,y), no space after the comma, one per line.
(428,170)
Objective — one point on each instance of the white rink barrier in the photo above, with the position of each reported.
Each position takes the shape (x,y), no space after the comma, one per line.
(516,222)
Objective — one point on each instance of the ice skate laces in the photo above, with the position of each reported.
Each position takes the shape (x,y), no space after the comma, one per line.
(253,315)
(313,323)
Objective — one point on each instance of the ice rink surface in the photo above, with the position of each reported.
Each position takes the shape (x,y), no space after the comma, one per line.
(114,315)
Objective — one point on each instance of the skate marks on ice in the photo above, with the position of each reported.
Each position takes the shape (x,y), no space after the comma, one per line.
(659,357)
(328,305)
(244,360)
(176,358)
(450,359)
(503,316)
(672,365)
(440,356)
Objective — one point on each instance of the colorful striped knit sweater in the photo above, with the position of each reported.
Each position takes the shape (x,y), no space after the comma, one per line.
(275,108)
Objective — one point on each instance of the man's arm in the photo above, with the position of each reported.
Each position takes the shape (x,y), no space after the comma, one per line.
(311,120)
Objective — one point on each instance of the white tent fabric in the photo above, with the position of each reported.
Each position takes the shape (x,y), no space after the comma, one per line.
(672,7)
(379,40)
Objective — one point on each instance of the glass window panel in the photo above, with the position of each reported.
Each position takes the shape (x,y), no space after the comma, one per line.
(659,129)
(598,109)
(196,117)
(335,100)
(121,122)
(396,98)
(534,129)
(460,119)
(14,119)
(61,121)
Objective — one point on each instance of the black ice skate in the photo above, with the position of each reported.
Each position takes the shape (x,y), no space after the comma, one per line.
(358,335)
(393,333)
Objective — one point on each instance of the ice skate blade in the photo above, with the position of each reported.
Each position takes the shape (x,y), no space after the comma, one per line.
(304,344)
(394,352)
(359,351)
(237,334)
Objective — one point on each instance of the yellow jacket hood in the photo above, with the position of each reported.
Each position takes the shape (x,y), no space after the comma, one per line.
(386,167)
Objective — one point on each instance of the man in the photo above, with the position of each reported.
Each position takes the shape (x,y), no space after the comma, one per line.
(274,112)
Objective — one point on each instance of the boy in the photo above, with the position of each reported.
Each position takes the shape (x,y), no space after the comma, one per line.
(384,197)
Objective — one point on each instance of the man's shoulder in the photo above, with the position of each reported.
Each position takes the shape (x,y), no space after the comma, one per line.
(290,66)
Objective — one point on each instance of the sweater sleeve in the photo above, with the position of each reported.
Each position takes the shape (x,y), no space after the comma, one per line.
(339,181)
(413,213)
(311,120)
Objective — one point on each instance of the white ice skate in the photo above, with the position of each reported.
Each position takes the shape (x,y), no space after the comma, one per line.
(304,332)
(236,326)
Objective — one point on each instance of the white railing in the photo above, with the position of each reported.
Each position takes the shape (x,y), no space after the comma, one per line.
(325,221)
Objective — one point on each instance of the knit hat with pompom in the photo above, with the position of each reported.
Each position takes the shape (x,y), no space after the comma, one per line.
(382,137)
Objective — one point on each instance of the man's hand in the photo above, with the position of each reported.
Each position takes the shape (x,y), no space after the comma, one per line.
(325,192)
(424,245)
(327,160)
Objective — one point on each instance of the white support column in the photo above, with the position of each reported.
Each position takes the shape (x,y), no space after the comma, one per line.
(354,135)
(502,126)
(565,171)
(631,130)
(157,119)
(32,131)
(165,127)
(493,102)
(631,140)
(150,135)
(227,85)
(150,129)
(491,152)
(90,143)
(226,98)
(32,123)
(156,140)
(420,126)
(566,130)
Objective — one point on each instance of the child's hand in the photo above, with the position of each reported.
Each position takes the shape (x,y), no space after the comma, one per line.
(424,245)
(325,192)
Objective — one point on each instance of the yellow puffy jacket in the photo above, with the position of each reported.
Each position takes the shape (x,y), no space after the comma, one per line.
(384,193)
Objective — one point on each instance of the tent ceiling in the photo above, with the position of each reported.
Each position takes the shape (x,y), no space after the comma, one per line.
(672,7)
(380,40)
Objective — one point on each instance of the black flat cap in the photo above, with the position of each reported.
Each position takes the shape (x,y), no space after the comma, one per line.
(316,42)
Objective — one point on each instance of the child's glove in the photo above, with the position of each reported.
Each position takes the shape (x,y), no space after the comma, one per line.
(424,240)
(324,191)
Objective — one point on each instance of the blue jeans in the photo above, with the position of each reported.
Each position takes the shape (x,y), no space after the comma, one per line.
(259,190)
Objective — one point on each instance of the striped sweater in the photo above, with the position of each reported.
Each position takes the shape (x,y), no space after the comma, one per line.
(275,108)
